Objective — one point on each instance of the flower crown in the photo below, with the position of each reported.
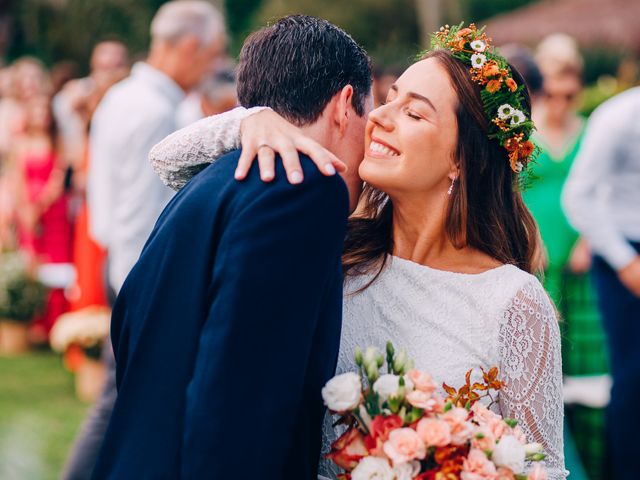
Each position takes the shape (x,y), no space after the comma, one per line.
(502,97)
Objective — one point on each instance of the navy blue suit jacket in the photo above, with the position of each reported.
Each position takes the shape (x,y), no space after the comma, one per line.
(226,330)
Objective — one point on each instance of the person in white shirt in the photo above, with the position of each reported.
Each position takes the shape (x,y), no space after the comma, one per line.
(125,196)
(602,201)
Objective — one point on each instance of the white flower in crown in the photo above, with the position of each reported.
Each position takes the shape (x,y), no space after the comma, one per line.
(519,167)
(478,45)
(505,111)
(478,60)
(517,117)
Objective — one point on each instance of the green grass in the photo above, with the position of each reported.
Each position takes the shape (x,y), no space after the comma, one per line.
(39,416)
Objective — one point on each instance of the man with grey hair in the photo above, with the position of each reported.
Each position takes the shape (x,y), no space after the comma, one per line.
(124,194)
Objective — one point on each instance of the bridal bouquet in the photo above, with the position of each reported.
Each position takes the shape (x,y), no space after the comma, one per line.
(400,428)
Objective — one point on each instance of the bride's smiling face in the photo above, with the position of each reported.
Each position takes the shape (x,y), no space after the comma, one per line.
(411,140)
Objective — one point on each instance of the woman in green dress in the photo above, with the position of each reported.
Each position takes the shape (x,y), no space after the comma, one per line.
(559,134)
(567,257)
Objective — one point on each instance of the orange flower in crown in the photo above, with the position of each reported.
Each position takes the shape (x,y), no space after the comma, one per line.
(503,99)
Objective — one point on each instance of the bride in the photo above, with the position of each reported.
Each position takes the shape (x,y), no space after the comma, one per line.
(439,257)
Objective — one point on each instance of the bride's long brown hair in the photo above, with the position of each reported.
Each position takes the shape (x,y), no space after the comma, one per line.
(486,210)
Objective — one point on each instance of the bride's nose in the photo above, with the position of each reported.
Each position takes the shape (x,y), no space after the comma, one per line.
(381,118)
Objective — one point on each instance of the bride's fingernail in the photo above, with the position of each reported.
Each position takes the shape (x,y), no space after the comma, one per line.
(296,177)
(330,169)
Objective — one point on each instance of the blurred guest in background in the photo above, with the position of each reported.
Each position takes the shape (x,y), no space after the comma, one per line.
(44,226)
(124,194)
(522,59)
(61,73)
(216,94)
(109,63)
(28,79)
(559,134)
(89,288)
(383,78)
(602,200)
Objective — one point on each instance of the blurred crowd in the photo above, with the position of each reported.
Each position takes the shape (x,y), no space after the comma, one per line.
(45,128)
(57,127)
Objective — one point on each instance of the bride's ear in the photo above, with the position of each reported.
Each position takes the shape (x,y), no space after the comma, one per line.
(344,107)
(454,172)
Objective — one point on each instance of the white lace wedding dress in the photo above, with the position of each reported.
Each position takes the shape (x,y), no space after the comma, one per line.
(448,322)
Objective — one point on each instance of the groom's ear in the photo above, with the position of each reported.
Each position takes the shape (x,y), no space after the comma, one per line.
(343,108)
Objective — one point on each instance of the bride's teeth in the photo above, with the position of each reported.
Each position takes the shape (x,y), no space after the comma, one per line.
(379,148)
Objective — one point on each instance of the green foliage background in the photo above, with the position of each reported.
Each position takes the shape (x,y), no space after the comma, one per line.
(56,30)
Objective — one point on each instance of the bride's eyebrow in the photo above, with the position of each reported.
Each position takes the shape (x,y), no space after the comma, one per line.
(416,96)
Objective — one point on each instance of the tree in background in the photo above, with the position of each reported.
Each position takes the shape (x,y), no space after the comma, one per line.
(386,28)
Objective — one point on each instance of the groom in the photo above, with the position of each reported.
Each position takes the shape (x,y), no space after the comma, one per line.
(229,324)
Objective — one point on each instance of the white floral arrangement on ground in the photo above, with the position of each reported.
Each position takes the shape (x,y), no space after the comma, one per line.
(86,328)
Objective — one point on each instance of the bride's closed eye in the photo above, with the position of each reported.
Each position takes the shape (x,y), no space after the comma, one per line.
(412,114)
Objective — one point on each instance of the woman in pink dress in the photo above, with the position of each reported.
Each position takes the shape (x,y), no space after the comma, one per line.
(44,227)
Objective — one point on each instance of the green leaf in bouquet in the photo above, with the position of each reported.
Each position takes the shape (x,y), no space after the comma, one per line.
(390,353)
(403,414)
(394,404)
(537,457)
(447,406)
(511,422)
(358,357)
(372,403)
(414,415)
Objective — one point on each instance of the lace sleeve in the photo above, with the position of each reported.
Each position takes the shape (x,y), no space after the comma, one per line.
(186,152)
(531,366)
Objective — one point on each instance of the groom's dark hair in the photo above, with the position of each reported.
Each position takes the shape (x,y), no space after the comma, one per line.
(298,64)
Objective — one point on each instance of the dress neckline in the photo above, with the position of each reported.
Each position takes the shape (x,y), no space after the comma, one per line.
(436,271)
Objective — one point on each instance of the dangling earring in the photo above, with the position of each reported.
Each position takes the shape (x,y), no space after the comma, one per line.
(450,191)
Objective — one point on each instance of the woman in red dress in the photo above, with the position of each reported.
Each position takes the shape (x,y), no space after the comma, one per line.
(44,226)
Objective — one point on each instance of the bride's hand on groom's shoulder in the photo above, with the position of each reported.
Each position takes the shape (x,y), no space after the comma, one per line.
(266,133)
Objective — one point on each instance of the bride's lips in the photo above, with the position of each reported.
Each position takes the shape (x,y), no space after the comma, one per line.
(380,149)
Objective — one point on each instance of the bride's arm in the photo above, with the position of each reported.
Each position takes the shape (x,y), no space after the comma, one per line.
(186,152)
(531,367)
(259,131)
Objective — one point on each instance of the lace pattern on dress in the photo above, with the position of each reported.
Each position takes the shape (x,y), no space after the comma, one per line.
(184,153)
(531,367)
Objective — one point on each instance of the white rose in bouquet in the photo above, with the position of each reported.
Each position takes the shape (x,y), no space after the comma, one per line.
(406,471)
(533,449)
(342,392)
(387,386)
(509,453)
(373,468)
